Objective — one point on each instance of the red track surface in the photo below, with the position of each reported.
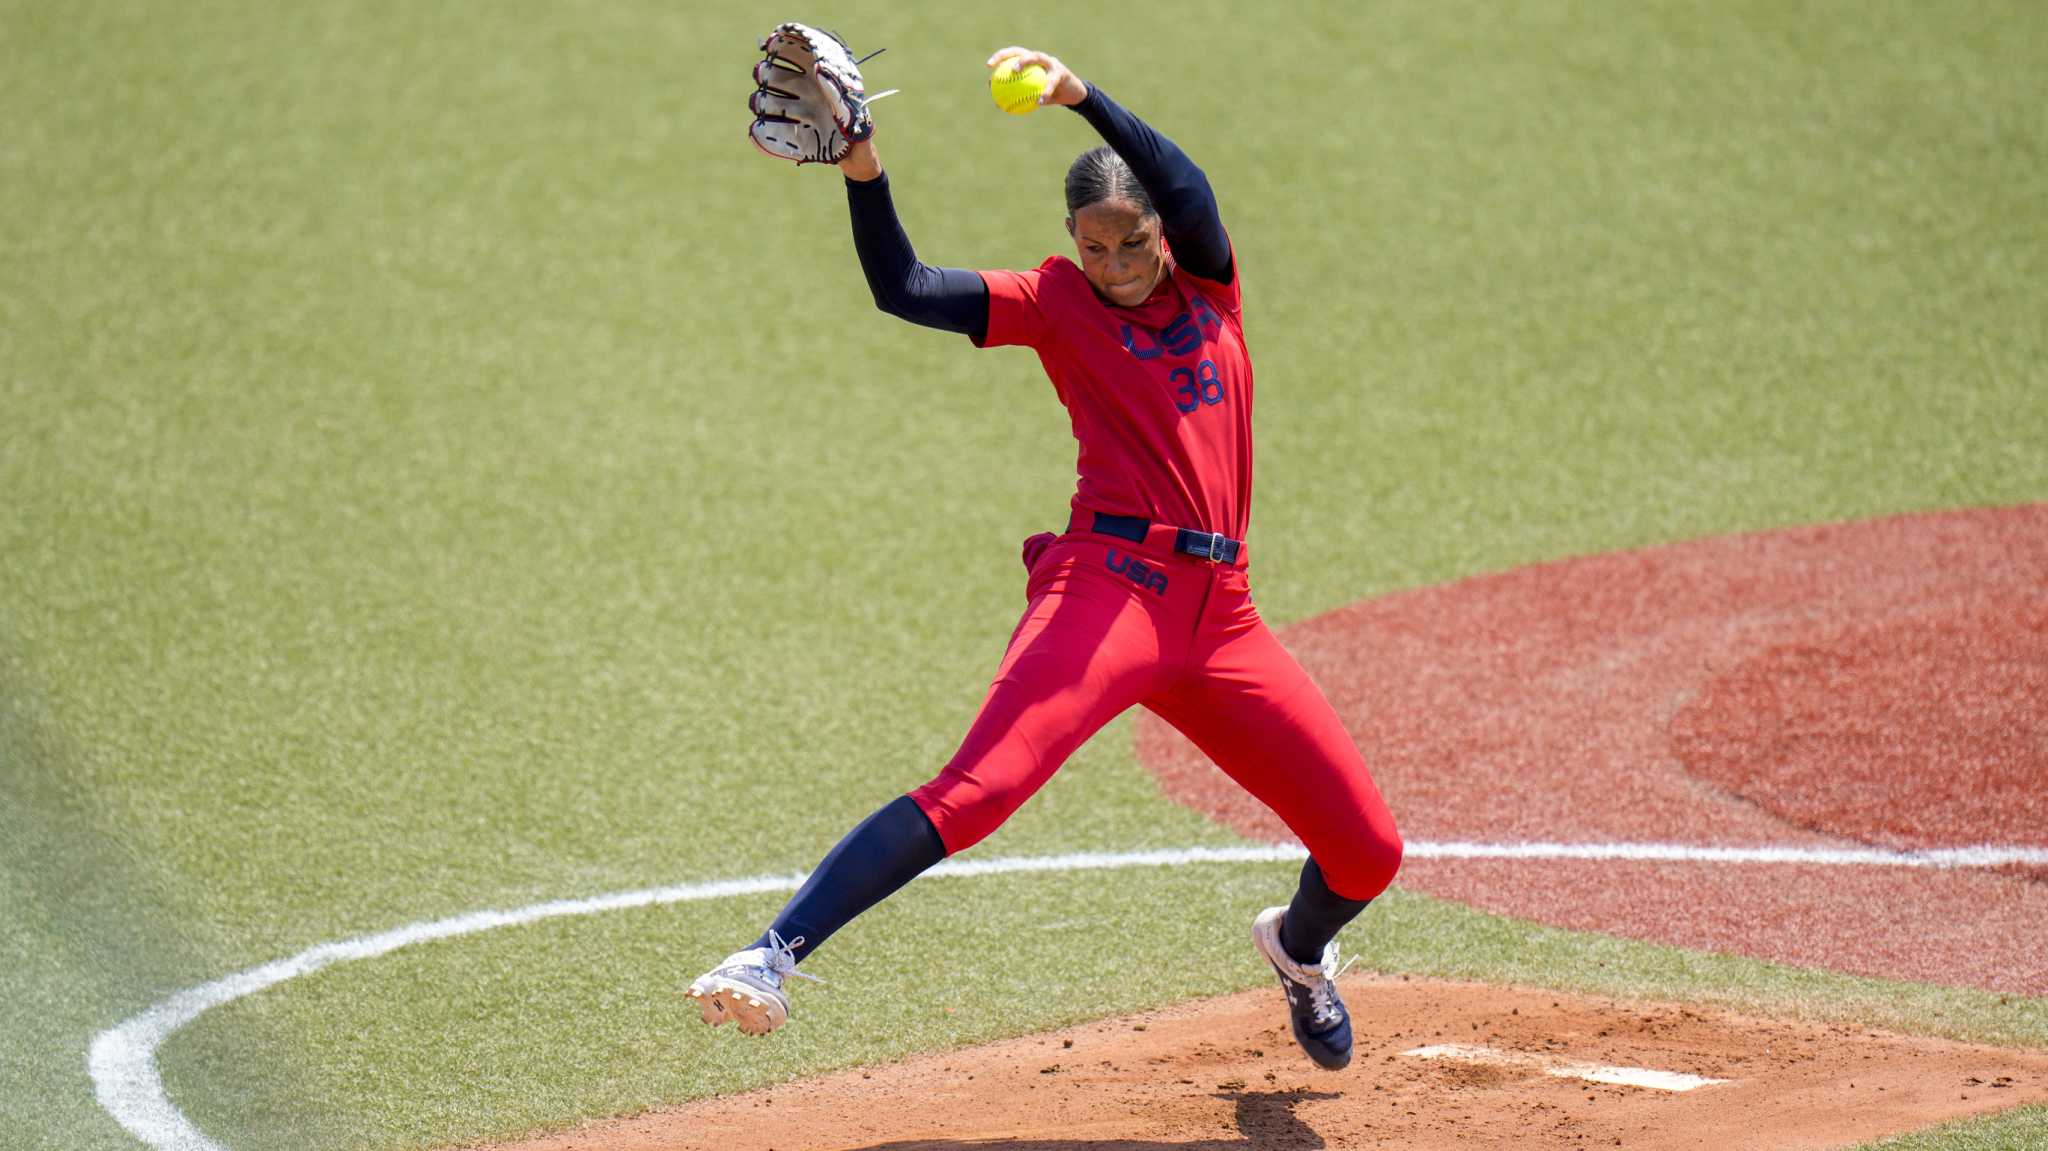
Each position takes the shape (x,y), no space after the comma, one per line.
(1870,684)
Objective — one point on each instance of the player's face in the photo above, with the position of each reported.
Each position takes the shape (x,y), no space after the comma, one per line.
(1120,250)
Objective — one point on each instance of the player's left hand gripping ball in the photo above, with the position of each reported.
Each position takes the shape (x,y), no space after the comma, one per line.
(809,103)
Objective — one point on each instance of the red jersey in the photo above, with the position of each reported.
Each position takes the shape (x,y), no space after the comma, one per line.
(1160,394)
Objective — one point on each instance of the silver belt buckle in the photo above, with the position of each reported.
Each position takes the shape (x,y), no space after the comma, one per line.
(1215,547)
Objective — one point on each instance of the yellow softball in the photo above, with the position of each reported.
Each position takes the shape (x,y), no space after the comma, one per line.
(1016,91)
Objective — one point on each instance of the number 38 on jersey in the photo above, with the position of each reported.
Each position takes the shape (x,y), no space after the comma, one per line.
(1197,386)
(1193,387)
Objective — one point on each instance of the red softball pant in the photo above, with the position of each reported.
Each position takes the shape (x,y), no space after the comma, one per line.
(1111,624)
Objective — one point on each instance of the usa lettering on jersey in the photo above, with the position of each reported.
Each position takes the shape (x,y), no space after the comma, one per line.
(1180,337)
(1195,387)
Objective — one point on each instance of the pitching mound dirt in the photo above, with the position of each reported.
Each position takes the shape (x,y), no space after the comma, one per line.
(1225,1074)
(1842,685)
(1875,684)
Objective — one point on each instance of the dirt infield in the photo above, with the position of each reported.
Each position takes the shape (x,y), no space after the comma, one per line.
(1878,684)
(1849,685)
(1223,1075)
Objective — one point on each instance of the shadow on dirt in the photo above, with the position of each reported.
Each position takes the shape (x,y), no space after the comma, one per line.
(1265,1120)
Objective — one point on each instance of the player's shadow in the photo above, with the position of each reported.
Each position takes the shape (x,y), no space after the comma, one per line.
(1265,1121)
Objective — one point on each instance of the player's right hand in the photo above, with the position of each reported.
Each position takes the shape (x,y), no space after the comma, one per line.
(1061,85)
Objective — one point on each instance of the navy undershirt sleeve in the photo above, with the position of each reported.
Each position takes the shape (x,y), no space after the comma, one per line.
(950,299)
(1180,190)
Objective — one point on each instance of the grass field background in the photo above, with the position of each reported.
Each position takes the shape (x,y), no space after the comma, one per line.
(442,466)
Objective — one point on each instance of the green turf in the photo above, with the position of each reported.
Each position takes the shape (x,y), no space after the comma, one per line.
(442,466)
(2024,1129)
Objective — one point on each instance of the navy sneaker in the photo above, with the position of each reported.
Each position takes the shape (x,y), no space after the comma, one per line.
(1321,1025)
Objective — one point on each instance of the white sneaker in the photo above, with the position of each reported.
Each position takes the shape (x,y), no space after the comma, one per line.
(747,987)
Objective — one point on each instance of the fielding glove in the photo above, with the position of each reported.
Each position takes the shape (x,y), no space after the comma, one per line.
(809,102)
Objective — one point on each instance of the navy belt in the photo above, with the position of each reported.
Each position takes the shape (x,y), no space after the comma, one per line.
(1212,546)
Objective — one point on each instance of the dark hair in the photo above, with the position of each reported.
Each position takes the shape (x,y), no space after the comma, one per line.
(1100,174)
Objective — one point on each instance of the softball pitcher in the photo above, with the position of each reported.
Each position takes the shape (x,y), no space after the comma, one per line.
(1144,599)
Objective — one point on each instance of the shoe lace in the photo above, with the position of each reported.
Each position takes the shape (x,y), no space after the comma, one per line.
(1322,990)
(782,957)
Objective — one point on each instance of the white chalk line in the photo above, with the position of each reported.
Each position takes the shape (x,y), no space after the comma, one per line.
(122,1059)
(1645,1077)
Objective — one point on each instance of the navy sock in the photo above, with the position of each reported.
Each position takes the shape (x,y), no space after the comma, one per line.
(889,849)
(1315,916)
